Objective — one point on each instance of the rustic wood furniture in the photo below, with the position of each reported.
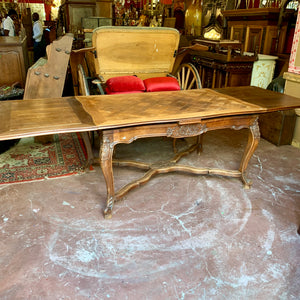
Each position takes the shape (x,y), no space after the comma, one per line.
(257,29)
(123,119)
(267,30)
(13,56)
(278,127)
(270,29)
(46,78)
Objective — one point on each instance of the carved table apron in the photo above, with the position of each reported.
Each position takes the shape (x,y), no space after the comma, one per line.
(112,137)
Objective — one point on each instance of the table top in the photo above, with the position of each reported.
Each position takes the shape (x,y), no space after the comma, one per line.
(268,100)
(23,118)
(162,107)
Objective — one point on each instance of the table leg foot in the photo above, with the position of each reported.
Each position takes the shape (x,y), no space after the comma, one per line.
(247,182)
(107,214)
(109,208)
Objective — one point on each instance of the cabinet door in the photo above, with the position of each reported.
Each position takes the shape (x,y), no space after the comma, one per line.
(270,40)
(253,38)
(237,33)
(11,67)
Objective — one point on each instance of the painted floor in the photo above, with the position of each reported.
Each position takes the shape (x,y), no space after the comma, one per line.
(179,236)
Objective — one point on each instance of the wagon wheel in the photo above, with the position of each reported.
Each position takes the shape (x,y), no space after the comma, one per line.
(82,82)
(188,77)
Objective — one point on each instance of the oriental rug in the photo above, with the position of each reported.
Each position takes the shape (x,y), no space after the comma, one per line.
(28,160)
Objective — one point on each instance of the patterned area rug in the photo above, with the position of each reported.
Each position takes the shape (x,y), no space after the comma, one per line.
(28,160)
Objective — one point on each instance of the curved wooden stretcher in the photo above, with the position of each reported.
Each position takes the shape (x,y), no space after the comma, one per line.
(174,130)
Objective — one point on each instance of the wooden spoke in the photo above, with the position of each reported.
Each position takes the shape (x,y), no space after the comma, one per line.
(188,77)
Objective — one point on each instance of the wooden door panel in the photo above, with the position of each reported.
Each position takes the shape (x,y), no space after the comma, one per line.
(11,67)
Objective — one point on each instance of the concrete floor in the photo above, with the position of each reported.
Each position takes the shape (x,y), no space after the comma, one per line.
(177,237)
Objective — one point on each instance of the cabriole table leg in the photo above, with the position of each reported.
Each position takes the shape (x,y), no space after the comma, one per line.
(253,139)
(105,157)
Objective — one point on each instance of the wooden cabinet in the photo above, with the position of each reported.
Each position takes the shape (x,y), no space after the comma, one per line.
(223,65)
(257,29)
(13,60)
(278,127)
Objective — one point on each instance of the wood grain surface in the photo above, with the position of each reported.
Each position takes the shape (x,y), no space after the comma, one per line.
(34,117)
(144,51)
(110,111)
(23,118)
(269,100)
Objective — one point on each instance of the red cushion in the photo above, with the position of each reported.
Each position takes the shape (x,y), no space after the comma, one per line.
(159,84)
(125,84)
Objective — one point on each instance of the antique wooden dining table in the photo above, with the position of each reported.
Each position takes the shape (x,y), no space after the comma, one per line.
(124,118)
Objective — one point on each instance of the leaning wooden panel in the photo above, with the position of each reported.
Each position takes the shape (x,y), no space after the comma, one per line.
(46,78)
(85,58)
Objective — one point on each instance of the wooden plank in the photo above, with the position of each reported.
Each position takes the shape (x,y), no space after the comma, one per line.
(23,118)
(269,100)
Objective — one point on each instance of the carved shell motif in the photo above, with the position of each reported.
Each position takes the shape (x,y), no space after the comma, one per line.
(186,130)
